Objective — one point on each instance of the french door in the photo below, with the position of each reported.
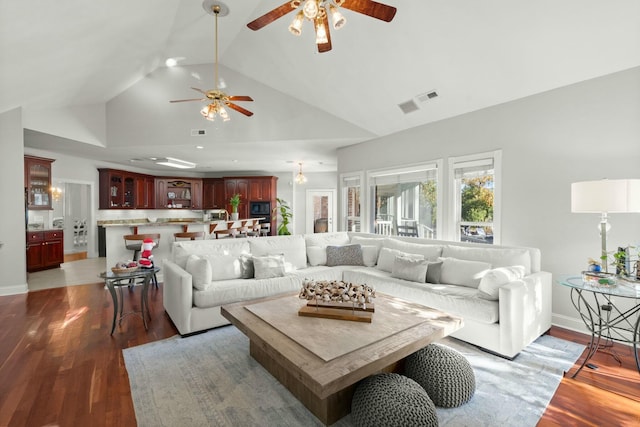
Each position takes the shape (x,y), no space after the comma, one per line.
(320,211)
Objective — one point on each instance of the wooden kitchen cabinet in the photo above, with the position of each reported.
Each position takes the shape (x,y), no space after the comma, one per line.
(196,194)
(37,181)
(262,188)
(237,186)
(45,249)
(213,193)
(145,194)
(178,193)
(117,189)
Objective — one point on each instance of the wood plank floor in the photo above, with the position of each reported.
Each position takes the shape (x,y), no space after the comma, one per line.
(60,367)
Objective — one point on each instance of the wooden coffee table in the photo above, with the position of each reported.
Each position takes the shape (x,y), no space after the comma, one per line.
(320,360)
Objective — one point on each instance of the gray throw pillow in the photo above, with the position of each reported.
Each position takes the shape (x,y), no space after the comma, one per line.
(413,270)
(434,270)
(344,255)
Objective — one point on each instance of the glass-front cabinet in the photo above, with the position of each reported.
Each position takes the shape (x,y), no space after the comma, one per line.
(37,182)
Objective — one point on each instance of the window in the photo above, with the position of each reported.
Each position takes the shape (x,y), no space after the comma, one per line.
(405,201)
(351,218)
(475,181)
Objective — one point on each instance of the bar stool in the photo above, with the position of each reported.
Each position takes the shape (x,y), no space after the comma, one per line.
(191,235)
(134,242)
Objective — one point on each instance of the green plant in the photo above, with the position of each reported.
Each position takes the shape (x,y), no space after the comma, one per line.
(285,213)
(234,201)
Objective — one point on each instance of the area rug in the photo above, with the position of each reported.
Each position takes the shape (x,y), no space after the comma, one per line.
(210,379)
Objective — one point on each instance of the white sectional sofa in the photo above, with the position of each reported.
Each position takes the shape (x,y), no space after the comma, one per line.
(500,292)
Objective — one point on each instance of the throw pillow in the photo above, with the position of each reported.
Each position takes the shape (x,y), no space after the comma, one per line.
(388,256)
(369,255)
(462,272)
(317,255)
(491,282)
(200,271)
(434,272)
(246,266)
(224,267)
(413,270)
(344,255)
(267,267)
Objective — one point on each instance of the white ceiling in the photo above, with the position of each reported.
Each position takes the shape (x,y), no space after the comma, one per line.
(474,53)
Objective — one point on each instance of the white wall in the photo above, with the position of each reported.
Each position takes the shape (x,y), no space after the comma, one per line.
(586,131)
(13,265)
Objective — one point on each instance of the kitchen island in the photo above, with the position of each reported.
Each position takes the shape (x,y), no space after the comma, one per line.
(165,227)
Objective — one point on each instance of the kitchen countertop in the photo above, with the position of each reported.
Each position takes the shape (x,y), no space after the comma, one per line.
(159,222)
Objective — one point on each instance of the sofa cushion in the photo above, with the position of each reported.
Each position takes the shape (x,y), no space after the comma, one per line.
(200,270)
(434,271)
(293,248)
(180,251)
(325,239)
(317,255)
(463,272)
(426,250)
(414,270)
(267,267)
(230,291)
(344,255)
(491,282)
(497,257)
(388,256)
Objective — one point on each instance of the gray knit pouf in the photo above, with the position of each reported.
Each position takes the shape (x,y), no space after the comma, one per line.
(391,400)
(444,373)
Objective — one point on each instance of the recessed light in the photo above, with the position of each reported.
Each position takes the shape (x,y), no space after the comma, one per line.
(235,160)
(199,147)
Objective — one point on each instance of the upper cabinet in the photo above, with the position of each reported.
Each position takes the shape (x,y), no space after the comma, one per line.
(37,182)
(178,193)
(117,189)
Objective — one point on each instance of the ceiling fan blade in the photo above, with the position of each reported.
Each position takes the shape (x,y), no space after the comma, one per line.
(239,109)
(240,98)
(325,47)
(188,100)
(271,16)
(199,90)
(371,8)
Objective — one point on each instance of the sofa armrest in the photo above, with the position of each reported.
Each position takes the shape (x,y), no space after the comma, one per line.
(525,311)
(177,296)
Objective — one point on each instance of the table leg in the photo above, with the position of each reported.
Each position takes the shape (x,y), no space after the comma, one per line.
(636,340)
(112,291)
(594,342)
(143,300)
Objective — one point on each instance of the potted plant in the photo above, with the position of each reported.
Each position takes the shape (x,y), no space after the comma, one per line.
(234,201)
(285,213)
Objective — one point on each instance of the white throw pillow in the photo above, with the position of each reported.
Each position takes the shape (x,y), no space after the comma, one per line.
(369,255)
(413,270)
(200,271)
(317,255)
(491,282)
(462,272)
(387,258)
(267,267)
(224,267)
(369,241)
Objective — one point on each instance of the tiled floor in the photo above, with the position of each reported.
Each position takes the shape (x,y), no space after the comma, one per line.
(79,272)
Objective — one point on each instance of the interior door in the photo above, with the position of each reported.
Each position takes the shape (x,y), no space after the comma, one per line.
(320,211)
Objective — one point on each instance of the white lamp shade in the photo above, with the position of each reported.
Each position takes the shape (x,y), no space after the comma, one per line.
(607,195)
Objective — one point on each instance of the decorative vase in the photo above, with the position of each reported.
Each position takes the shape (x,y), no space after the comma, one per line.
(234,216)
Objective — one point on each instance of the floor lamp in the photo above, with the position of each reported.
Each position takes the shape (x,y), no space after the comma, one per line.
(604,197)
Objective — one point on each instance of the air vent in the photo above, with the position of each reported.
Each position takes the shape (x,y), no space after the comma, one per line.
(424,97)
(408,107)
(198,132)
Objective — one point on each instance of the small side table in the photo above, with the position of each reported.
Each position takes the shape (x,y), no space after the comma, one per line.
(602,317)
(113,281)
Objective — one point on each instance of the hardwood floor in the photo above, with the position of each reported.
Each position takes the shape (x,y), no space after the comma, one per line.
(60,367)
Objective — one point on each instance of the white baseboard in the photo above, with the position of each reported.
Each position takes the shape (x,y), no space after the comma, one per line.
(14,290)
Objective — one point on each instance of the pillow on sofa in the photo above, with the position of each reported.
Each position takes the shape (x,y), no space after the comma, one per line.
(388,256)
(246,266)
(434,272)
(317,255)
(413,270)
(224,267)
(492,281)
(200,271)
(369,241)
(293,248)
(344,255)
(267,267)
(180,251)
(369,255)
(462,272)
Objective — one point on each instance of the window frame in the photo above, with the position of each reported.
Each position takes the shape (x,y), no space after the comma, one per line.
(344,205)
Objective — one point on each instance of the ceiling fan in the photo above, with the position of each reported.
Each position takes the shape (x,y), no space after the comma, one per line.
(317,11)
(217,97)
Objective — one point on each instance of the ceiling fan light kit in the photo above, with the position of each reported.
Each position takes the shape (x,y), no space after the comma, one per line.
(317,11)
(218,99)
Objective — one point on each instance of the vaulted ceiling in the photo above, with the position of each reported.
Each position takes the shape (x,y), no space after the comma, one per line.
(97,69)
